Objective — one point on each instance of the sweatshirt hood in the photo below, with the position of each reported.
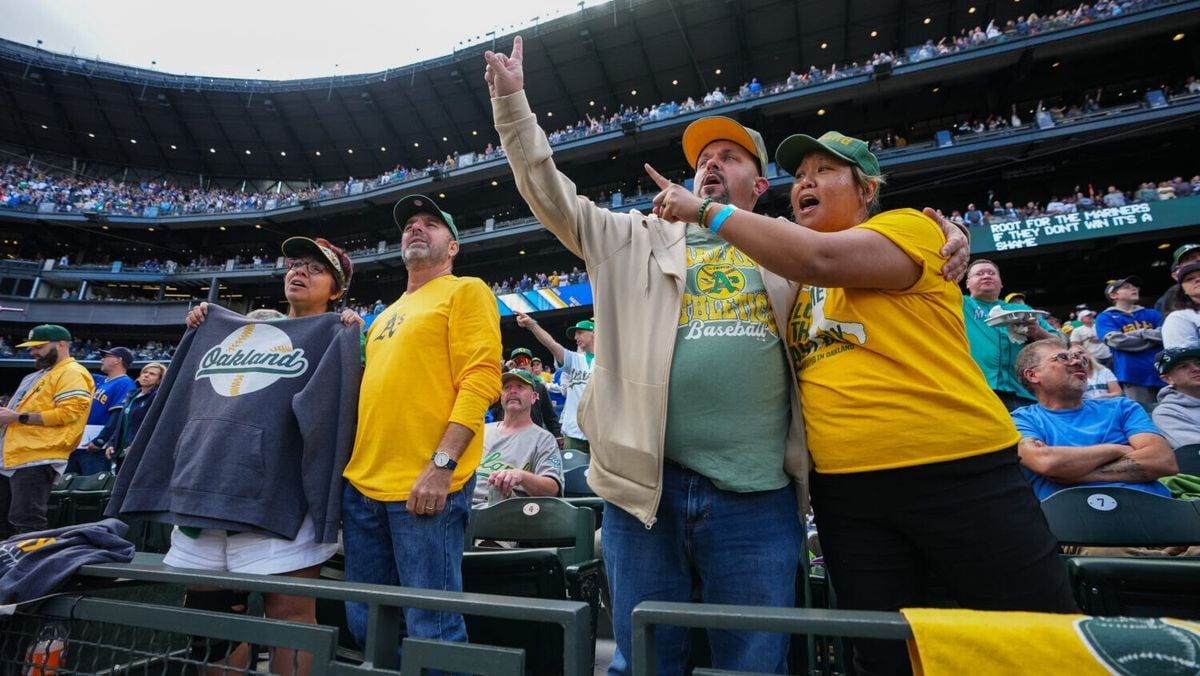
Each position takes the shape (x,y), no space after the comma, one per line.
(1136,308)
(1170,395)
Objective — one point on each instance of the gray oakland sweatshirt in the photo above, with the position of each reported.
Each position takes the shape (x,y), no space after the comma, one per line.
(250,430)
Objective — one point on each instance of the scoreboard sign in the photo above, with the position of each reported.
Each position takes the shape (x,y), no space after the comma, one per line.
(1028,233)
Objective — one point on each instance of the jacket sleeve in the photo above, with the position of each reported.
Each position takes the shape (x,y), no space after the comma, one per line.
(327,413)
(475,348)
(1180,330)
(588,231)
(1176,425)
(109,433)
(72,398)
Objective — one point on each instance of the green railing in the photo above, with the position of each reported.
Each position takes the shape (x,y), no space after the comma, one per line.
(385,617)
(809,621)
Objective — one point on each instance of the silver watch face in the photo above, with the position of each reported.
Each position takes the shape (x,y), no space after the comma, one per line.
(441,458)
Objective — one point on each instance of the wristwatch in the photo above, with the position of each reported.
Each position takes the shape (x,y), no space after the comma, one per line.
(23,418)
(442,460)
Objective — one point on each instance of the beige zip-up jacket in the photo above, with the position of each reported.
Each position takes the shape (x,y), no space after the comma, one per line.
(636,264)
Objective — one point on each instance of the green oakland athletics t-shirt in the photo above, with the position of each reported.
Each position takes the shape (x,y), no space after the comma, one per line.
(728,406)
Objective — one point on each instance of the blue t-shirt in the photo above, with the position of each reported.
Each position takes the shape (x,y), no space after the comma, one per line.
(1135,368)
(1097,421)
(109,396)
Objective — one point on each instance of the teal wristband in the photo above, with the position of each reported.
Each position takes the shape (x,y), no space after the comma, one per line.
(720,217)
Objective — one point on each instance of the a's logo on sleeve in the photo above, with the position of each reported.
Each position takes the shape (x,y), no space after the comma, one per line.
(250,359)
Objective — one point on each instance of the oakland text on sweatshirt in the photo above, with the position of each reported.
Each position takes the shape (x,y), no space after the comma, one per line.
(250,429)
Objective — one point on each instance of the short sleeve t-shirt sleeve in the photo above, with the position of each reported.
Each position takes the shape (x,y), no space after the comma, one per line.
(919,238)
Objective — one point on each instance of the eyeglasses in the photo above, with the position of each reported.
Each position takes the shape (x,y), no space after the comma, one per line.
(1068,357)
(313,267)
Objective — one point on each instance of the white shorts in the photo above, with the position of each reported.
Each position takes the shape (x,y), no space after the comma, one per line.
(249,552)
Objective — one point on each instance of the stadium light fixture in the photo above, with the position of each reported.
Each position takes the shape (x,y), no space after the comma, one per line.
(521,252)
(258,226)
(936,90)
(927,21)
(675,82)
(133,141)
(383,149)
(1164,245)
(824,45)
(494,184)
(222,228)
(633,92)
(874,34)
(212,150)
(1177,38)
(1056,64)
(820,111)
(550,114)
(971,10)
(91,135)
(247,151)
(717,71)
(444,139)
(474,133)
(318,153)
(441,195)
(416,144)
(45,127)
(591,103)
(283,153)
(173,147)
(151,229)
(350,150)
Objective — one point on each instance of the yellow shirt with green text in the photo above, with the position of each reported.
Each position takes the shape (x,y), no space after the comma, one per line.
(886,377)
(432,358)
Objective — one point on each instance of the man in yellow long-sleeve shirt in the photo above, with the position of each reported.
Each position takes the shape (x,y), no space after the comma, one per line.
(40,427)
(432,370)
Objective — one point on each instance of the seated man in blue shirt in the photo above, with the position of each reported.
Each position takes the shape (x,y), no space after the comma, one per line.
(1067,440)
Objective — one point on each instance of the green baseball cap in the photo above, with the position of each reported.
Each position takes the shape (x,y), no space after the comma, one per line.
(420,204)
(791,152)
(1182,250)
(704,131)
(521,351)
(520,374)
(585,325)
(46,333)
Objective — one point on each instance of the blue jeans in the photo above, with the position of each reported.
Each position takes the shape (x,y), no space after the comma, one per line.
(385,544)
(736,548)
(87,463)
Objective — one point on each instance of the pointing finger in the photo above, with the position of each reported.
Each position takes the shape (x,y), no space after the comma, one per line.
(518,50)
(658,178)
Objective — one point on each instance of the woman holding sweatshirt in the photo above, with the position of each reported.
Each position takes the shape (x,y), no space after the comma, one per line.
(318,275)
(915,458)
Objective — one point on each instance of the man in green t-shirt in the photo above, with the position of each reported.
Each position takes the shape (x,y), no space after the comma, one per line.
(992,347)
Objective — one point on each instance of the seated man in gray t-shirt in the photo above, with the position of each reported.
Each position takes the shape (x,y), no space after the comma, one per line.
(519,458)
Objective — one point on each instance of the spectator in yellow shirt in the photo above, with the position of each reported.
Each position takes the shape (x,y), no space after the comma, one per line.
(432,371)
(915,458)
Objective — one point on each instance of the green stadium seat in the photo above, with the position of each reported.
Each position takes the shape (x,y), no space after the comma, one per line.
(58,510)
(575,483)
(554,558)
(1124,517)
(1188,458)
(88,496)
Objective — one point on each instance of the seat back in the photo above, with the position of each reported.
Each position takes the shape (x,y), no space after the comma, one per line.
(575,483)
(1112,516)
(536,522)
(572,458)
(1188,458)
(88,497)
(58,508)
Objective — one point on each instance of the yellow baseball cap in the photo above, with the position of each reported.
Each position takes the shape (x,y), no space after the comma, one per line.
(704,131)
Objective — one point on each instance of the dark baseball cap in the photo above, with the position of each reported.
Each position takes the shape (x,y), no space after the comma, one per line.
(46,333)
(794,148)
(1114,284)
(1183,250)
(1169,359)
(521,351)
(1187,269)
(706,130)
(124,353)
(322,250)
(420,204)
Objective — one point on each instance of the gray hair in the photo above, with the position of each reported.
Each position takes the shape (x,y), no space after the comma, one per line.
(1030,356)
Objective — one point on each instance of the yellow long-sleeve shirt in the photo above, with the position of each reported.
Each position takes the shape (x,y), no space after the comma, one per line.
(433,357)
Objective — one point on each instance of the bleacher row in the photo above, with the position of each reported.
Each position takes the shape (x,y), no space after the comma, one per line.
(553,573)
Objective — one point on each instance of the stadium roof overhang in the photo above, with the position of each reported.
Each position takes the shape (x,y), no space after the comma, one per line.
(624,53)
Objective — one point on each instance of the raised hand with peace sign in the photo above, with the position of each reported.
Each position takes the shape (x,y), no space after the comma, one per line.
(505,74)
(674,202)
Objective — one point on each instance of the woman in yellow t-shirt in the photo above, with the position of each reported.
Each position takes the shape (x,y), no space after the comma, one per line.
(915,458)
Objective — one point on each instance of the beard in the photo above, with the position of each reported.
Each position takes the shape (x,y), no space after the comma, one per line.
(423,255)
(723,196)
(46,361)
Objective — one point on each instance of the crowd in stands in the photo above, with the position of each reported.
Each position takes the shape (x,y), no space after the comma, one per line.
(29,187)
(90,348)
(541,280)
